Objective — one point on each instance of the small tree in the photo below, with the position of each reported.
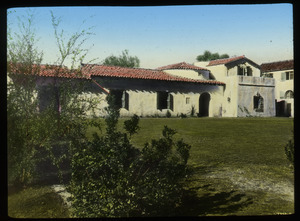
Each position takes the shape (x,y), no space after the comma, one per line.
(21,101)
(124,60)
(208,56)
(32,133)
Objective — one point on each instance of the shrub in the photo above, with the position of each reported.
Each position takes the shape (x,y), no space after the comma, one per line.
(183,115)
(112,178)
(193,110)
(168,114)
(290,151)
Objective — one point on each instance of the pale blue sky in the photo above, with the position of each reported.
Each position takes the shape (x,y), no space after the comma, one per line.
(165,35)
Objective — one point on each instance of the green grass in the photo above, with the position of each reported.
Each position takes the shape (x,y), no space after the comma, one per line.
(36,202)
(239,164)
(238,167)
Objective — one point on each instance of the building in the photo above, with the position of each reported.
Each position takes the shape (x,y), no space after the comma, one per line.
(148,92)
(229,87)
(283,74)
(245,93)
(144,92)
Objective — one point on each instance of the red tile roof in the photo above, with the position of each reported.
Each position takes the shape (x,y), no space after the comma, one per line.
(140,73)
(89,71)
(225,60)
(48,71)
(181,65)
(277,66)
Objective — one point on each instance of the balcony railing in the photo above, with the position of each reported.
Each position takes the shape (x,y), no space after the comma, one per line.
(256,81)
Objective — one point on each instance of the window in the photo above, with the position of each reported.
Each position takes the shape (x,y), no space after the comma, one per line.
(240,70)
(164,100)
(125,100)
(289,94)
(268,75)
(121,98)
(289,75)
(244,70)
(187,100)
(249,71)
(258,103)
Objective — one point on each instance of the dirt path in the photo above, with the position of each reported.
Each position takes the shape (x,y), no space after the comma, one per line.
(61,190)
(282,189)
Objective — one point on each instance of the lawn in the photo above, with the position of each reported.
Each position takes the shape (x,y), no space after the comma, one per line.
(239,164)
(238,167)
(36,202)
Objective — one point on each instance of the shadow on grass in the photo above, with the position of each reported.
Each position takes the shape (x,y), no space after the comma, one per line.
(222,203)
(201,198)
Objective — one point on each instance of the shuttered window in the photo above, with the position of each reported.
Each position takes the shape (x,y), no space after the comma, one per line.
(125,100)
(283,76)
(165,100)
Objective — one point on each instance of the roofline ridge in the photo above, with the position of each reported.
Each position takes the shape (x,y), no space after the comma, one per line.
(277,61)
(136,68)
(183,62)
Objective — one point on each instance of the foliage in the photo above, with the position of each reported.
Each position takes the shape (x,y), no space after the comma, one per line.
(34,128)
(168,114)
(208,56)
(112,178)
(131,126)
(193,111)
(290,151)
(21,102)
(124,60)
(182,115)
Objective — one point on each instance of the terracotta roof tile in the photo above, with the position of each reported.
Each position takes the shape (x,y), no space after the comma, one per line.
(48,71)
(181,65)
(277,66)
(87,71)
(225,60)
(140,73)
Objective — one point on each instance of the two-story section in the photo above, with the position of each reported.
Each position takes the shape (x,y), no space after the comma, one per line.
(246,93)
(283,73)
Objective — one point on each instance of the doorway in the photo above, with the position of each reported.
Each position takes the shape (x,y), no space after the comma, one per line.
(204,105)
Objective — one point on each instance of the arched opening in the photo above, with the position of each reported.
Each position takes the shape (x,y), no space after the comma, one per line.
(289,94)
(258,103)
(204,105)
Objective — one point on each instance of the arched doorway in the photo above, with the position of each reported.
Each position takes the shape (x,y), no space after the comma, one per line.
(204,104)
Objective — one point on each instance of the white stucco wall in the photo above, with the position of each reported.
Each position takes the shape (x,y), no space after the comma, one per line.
(281,87)
(144,103)
(200,75)
(97,100)
(248,87)
(239,90)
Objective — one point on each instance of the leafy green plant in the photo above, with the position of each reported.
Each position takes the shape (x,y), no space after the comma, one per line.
(112,178)
(183,115)
(290,151)
(33,127)
(168,114)
(193,111)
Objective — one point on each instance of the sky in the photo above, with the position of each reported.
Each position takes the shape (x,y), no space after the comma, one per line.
(163,35)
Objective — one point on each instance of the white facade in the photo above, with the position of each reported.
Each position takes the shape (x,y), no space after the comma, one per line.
(283,74)
(246,93)
(230,87)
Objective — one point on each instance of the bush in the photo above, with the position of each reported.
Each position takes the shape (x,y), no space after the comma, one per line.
(168,114)
(290,151)
(193,110)
(183,115)
(112,178)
